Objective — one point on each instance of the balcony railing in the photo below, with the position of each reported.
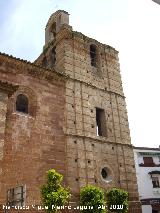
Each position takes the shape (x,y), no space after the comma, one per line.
(149,165)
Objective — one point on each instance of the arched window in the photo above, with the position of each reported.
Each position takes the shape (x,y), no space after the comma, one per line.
(22,104)
(93,55)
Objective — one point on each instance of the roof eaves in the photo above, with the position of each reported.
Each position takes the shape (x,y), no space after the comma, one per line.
(33,64)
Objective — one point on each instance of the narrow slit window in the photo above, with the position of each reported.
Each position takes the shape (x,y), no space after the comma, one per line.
(53,56)
(53,30)
(101,122)
(22,104)
(93,55)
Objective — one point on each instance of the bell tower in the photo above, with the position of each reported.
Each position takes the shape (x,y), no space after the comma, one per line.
(98,144)
(54,24)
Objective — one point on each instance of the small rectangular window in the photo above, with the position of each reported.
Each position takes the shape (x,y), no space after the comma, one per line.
(101,122)
(148,160)
(16,196)
(155,182)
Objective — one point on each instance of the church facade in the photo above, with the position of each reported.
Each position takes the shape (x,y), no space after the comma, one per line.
(65,111)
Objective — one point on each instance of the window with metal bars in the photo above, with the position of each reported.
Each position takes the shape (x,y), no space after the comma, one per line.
(155,182)
(16,196)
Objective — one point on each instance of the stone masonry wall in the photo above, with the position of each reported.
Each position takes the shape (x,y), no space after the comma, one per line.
(87,88)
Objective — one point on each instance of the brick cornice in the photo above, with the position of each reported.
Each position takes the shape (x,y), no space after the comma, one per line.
(100,140)
(14,65)
(8,88)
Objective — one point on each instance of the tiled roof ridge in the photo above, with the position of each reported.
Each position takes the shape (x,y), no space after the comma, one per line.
(31,63)
(147,148)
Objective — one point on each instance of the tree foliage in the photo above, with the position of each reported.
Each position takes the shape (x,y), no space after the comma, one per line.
(91,196)
(116,198)
(53,194)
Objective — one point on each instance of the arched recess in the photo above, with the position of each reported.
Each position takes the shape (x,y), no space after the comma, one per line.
(23,101)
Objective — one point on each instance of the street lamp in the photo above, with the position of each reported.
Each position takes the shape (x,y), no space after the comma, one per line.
(157,1)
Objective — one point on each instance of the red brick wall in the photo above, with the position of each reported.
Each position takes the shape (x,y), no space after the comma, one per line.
(33,143)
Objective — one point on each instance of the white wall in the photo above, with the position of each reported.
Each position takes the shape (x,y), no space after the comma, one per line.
(145,183)
(145,187)
(146,209)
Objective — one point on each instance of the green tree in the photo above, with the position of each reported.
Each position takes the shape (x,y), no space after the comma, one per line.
(117,200)
(92,199)
(53,194)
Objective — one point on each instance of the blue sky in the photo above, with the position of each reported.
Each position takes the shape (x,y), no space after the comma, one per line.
(22,22)
(132,27)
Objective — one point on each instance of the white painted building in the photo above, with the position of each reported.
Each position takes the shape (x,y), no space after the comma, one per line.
(147,163)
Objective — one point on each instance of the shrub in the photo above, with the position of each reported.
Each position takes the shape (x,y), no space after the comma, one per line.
(91,196)
(116,198)
(53,194)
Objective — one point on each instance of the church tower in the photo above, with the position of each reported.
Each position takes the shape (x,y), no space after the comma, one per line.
(98,144)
